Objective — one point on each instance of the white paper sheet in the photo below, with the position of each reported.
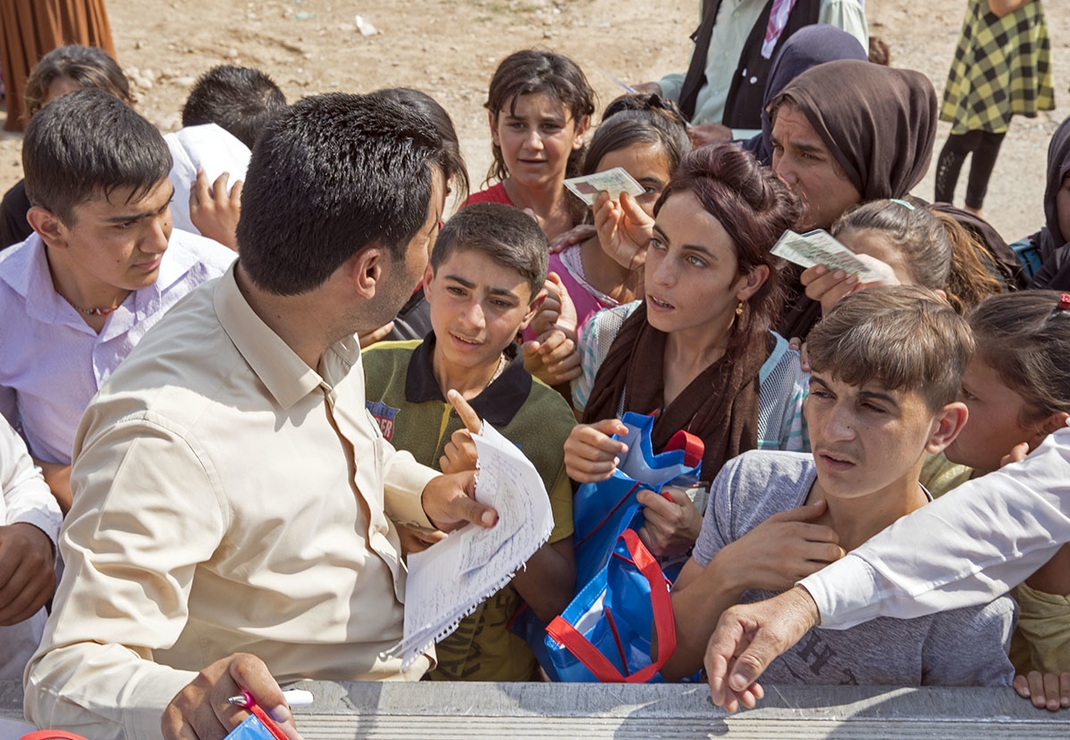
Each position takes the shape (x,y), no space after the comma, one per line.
(451,579)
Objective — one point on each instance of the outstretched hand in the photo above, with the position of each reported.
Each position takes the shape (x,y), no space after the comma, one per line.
(829,286)
(624,229)
(748,638)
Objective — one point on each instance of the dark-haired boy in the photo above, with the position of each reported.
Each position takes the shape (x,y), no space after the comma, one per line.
(483,284)
(225,113)
(102,268)
(886,371)
(240,99)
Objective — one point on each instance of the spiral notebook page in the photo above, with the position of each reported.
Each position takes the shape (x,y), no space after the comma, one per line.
(449,580)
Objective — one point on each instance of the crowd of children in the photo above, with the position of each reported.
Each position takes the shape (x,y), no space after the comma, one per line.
(668,303)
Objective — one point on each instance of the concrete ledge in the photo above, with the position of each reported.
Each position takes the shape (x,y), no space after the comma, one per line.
(398,711)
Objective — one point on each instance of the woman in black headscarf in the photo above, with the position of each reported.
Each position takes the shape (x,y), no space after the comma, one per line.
(843,133)
(848,132)
(1051,241)
(807,48)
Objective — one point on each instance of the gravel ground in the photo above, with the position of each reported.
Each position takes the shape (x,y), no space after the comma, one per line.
(450,49)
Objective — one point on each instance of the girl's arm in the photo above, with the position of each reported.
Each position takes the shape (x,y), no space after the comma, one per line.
(1001,8)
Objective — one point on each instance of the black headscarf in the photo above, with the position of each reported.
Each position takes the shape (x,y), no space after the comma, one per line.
(1051,241)
(1058,167)
(807,47)
(878,122)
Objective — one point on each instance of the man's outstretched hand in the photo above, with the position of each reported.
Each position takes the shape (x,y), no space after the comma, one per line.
(450,502)
(748,638)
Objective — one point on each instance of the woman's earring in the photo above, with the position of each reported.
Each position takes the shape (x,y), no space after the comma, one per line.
(739,309)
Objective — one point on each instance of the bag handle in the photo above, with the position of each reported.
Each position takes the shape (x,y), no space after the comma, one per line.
(694,448)
(664,624)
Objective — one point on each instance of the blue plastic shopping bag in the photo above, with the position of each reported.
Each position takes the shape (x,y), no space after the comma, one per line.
(622,593)
(605,633)
(603,510)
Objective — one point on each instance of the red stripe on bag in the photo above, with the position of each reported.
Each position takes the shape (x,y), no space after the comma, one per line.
(616,639)
(609,515)
(664,624)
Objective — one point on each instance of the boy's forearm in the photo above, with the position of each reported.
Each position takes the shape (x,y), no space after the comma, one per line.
(696,608)
(548,579)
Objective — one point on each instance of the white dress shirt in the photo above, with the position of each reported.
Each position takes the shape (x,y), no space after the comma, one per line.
(24,498)
(967,547)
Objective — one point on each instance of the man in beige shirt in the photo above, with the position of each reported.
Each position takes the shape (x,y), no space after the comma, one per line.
(231,493)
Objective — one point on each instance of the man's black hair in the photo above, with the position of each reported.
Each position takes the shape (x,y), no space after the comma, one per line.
(330,176)
(241,100)
(86,144)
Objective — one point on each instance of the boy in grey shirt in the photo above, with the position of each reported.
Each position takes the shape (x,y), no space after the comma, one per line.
(886,370)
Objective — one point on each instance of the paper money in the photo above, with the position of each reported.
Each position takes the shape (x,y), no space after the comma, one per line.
(614,182)
(818,247)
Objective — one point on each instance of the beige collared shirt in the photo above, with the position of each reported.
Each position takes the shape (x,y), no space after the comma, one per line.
(227,498)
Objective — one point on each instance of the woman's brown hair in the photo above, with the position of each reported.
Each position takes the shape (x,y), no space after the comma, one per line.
(755,208)
(86,66)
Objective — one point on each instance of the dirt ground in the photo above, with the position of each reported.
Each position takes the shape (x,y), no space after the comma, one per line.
(450,49)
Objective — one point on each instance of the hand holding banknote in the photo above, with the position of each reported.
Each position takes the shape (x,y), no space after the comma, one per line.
(828,285)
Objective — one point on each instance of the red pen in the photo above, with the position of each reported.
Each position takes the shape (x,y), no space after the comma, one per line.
(293,697)
(268,723)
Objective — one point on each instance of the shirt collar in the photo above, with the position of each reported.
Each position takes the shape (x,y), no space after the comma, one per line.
(177,261)
(285,375)
(25,269)
(499,401)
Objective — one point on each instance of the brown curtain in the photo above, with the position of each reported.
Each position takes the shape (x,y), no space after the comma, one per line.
(29,29)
